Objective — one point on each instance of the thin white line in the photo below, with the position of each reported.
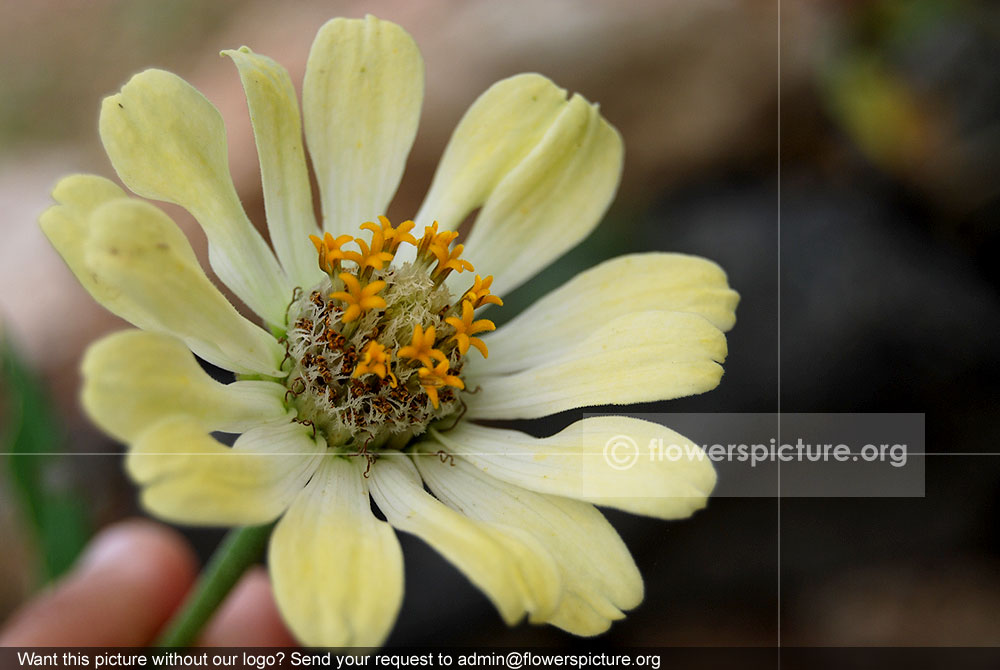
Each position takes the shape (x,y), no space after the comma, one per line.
(395,452)
(779,329)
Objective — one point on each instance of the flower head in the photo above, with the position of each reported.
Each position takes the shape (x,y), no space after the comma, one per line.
(359,385)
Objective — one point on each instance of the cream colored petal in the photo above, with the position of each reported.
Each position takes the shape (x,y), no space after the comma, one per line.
(274,113)
(615,461)
(638,357)
(65,224)
(550,201)
(189,477)
(633,283)
(132,379)
(361,100)
(167,142)
(600,578)
(337,571)
(500,128)
(83,193)
(510,567)
(145,271)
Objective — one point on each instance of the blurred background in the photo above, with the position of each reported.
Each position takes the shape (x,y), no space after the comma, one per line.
(847,182)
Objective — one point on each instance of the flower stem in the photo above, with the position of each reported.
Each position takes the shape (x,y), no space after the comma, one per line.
(239,550)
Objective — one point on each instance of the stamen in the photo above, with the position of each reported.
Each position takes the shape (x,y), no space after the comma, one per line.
(465,328)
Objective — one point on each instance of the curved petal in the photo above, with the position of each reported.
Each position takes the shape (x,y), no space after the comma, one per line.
(337,571)
(277,129)
(633,283)
(189,477)
(65,224)
(133,379)
(553,199)
(145,272)
(167,142)
(600,578)
(638,357)
(361,98)
(614,461)
(515,572)
(500,128)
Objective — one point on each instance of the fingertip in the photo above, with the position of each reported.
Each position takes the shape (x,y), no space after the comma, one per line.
(249,617)
(124,587)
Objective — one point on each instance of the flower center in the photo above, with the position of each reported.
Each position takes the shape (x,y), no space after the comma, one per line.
(377,350)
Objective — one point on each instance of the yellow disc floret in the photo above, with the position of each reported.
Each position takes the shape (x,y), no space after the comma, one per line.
(465,328)
(359,300)
(449,260)
(432,379)
(393,236)
(329,251)
(433,243)
(375,360)
(370,258)
(480,294)
(421,347)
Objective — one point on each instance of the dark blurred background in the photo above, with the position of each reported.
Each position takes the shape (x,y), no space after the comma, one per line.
(847,182)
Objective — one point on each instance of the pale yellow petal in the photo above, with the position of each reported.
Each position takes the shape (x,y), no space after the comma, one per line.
(361,98)
(277,128)
(146,272)
(167,142)
(600,579)
(65,224)
(511,568)
(189,477)
(133,379)
(633,283)
(638,357)
(550,201)
(337,571)
(615,461)
(500,128)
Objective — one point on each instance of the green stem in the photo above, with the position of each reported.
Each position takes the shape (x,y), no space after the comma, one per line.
(239,550)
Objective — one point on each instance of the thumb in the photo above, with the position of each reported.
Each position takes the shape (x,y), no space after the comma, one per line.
(120,593)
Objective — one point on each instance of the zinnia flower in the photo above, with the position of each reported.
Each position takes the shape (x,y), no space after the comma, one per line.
(374,363)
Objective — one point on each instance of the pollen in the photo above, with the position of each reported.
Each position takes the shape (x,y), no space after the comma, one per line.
(421,347)
(359,300)
(465,328)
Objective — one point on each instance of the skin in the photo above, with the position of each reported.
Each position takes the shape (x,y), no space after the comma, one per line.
(125,587)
